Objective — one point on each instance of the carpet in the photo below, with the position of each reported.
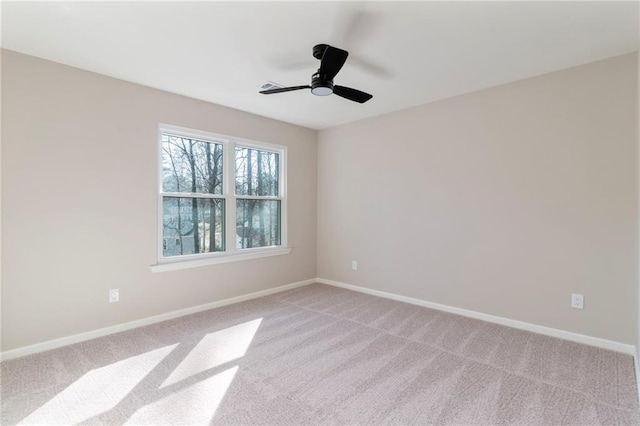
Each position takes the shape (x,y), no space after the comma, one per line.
(321,355)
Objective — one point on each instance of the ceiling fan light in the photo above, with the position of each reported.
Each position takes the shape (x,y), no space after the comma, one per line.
(322,90)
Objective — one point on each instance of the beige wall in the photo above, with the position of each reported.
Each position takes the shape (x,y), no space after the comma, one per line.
(503,201)
(79,200)
(638,243)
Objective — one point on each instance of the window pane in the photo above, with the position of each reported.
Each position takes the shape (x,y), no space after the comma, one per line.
(257,223)
(192,225)
(256,172)
(190,165)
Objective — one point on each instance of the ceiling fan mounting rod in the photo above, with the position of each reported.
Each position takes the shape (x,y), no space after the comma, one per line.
(318,50)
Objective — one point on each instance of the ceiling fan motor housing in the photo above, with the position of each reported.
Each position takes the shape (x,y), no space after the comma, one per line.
(321,85)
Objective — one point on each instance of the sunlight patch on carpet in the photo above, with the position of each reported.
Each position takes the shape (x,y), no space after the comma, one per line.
(195,404)
(98,390)
(215,349)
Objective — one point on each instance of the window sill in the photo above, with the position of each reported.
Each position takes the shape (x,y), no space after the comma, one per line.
(215,260)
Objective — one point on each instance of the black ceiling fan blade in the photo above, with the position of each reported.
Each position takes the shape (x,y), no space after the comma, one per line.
(351,94)
(283,89)
(332,62)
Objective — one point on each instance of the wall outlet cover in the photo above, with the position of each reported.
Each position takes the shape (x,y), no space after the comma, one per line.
(577,301)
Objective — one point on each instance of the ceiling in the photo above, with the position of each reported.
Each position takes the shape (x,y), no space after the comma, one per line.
(404,53)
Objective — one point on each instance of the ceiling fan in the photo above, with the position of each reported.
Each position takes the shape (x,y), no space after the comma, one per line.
(331,61)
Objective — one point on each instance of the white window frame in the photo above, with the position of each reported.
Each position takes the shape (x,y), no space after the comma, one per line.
(231,253)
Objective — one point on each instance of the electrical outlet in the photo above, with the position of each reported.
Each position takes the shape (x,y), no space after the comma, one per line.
(577,301)
(114,295)
(354,265)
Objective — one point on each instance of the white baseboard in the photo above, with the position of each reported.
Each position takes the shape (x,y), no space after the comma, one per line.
(561,334)
(547,331)
(76,338)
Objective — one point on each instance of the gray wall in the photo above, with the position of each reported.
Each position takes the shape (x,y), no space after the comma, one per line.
(503,201)
(79,189)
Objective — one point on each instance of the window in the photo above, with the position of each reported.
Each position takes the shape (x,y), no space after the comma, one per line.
(257,200)
(219,196)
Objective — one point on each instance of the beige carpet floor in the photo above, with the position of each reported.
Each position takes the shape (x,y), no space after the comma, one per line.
(321,355)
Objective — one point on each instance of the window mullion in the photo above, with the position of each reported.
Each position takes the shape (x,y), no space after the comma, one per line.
(258,197)
(229,177)
(189,195)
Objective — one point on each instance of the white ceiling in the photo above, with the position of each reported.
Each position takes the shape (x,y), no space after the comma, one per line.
(404,53)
